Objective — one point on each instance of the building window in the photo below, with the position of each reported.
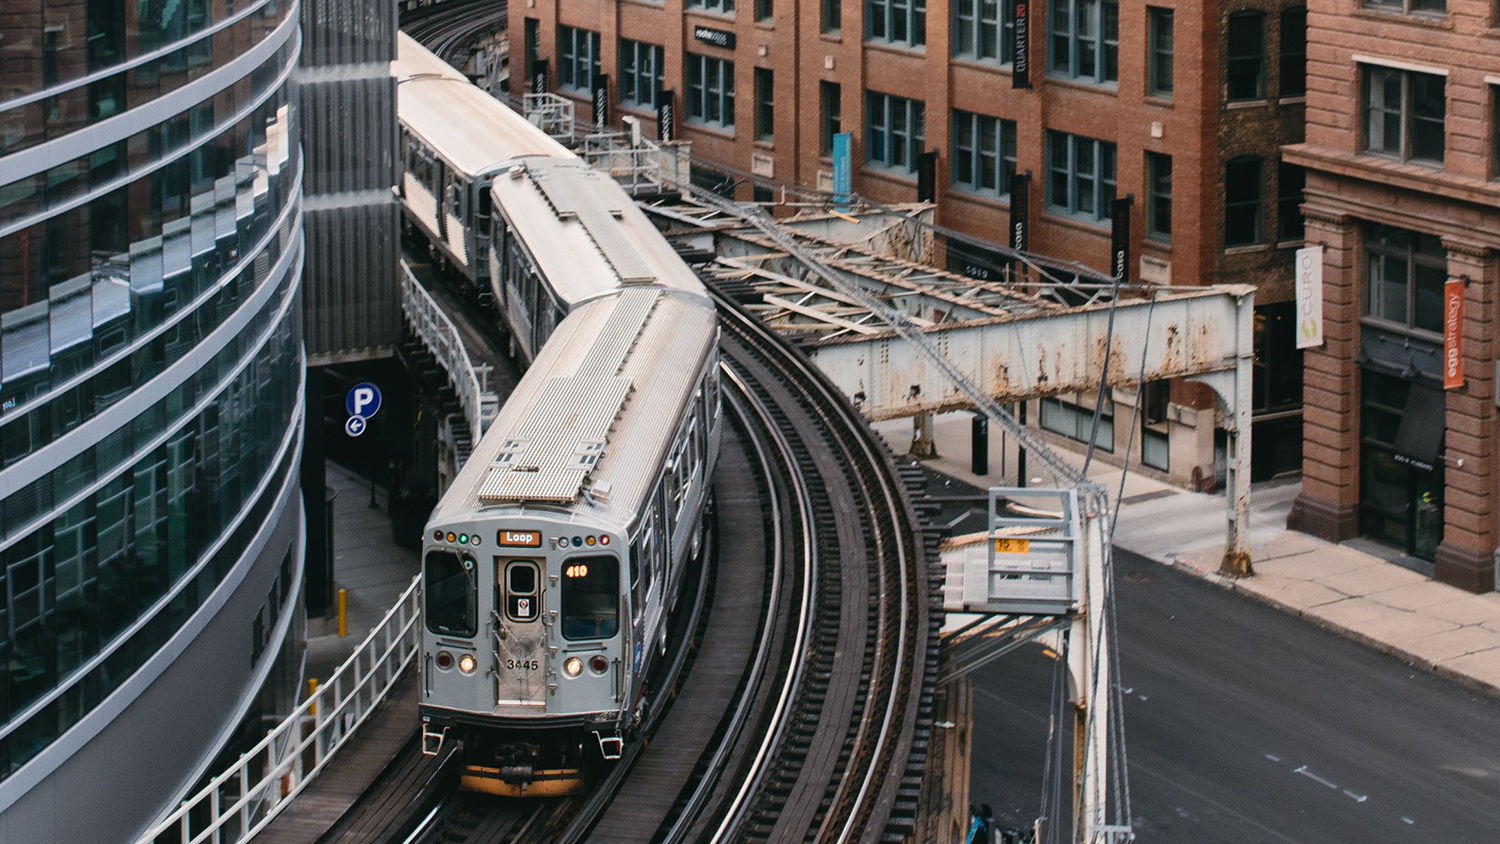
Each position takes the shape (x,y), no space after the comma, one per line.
(710,99)
(1073,417)
(1085,40)
(1155,398)
(1159,59)
(984,30)
(577,58)
(1294,52)
(984,153)
(833,13)
(1291,180)
(1406,271)
(641,75)
(898,21)
(1495,131)
(1404,113)
(1242,202)
(1410,7)
(1246,51)
(829,94)
(1159,197)
(764,10)
(1080,175)
(764,105)
(723,7)
(532,34)
(895,132)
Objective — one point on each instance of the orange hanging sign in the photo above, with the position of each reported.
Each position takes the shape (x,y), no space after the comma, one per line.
(1453,334)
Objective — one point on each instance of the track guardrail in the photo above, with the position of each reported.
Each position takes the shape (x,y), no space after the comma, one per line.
(438,332)
(240,801)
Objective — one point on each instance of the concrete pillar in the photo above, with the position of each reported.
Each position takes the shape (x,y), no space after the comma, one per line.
(1328,506)
(1466,557)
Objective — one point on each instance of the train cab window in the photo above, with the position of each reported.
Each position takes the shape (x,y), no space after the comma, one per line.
(450,594)
(522,600)
(590,597)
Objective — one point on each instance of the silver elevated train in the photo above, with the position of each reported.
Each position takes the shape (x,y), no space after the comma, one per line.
(552,563)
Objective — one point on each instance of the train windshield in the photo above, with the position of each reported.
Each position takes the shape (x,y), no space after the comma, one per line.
(590,597)
(450,594)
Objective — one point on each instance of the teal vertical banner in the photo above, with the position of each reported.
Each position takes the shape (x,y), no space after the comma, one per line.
(841,164)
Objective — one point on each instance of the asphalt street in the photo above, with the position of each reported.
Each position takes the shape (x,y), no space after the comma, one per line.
(1245,724)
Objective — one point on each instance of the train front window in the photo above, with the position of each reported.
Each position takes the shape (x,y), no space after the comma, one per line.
(590,597)
(450,595)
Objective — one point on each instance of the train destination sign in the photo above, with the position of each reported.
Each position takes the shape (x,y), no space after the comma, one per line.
(522,538)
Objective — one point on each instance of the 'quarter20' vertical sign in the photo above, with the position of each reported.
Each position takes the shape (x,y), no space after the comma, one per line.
(1020,69)
(1453,333)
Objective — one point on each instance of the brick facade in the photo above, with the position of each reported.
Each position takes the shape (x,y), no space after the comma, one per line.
(1457,201)
(1197,126)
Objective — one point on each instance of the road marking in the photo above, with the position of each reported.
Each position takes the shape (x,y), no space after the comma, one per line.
(1358,798)
(1273,758)
(1315,778)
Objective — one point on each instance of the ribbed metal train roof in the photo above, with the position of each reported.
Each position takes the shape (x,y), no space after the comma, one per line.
(572,188)
(552,453)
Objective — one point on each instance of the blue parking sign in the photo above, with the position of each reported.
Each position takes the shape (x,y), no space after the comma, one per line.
(364,400)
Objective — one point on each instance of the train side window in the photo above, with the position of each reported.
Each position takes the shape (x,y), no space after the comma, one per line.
(450,594)
(484,202)
(522,585)
(590,601)
(637,595)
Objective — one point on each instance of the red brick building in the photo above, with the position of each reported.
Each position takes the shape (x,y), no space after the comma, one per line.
(1183,103)
(1401,159)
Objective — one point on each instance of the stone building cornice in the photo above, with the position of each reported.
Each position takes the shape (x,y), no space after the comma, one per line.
(1394,174)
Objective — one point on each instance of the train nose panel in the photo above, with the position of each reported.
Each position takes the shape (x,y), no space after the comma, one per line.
(520,624)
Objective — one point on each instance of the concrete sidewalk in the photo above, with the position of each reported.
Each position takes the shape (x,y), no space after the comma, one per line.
(367,563)
(1357,594)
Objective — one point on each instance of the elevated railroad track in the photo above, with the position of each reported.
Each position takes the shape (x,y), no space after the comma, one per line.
(448,28)
(801,674)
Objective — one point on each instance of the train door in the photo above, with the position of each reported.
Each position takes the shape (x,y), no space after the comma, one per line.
(520,632)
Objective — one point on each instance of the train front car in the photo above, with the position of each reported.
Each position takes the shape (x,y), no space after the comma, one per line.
(523,623)
(553,561)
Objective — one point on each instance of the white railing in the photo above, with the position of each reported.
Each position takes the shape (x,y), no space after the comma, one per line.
(239,802)
(646,165)
(437,332)
(552,113)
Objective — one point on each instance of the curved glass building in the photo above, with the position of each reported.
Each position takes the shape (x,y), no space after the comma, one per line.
(151,382)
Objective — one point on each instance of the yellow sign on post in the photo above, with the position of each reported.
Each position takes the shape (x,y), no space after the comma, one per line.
(1012,546)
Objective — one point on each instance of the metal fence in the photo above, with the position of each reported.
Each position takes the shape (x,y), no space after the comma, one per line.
(239,802)
(552,113)
(441,337)
(644,165)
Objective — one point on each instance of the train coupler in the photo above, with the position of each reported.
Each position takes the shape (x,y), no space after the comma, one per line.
(610,747)
(432,740)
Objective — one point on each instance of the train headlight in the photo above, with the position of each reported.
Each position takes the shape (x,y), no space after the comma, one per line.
(444,660)
(466,663)
(599,664)
(573,667)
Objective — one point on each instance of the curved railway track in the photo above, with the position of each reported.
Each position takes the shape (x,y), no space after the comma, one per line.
(447,28)
(805,720)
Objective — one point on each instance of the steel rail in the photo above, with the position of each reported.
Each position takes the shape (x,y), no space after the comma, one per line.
(804,617)
(757,673)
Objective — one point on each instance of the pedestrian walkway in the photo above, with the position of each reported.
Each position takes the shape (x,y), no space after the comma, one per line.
(368,564)
(1357,594)
(374,571)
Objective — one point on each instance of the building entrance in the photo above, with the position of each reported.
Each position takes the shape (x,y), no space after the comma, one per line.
(1401,471)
